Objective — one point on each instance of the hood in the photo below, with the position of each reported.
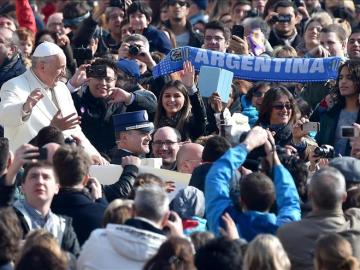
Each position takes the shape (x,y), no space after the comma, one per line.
(132,243)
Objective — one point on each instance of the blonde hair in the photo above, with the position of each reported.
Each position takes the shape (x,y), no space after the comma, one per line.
(334,252)
(284,51)
(118,211)
(265,252)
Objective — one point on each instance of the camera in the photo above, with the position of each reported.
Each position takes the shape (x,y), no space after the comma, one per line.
(281,18)
(134,50)
(116,3)
(349,132)
(98,71)
(324,151)
(82,53)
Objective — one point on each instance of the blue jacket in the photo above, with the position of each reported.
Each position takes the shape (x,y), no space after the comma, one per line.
(249,223)
(249,110)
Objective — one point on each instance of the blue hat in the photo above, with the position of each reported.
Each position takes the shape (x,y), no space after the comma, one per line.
(130,67)
(138,120)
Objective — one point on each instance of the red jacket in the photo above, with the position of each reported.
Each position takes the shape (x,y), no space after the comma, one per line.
(25,15)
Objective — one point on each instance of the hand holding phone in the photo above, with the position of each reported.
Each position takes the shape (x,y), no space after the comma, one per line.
(238,30)
(310,127)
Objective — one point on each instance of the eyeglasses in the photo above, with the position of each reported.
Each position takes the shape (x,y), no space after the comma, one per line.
(166,143)
(210,38)
(181,3)
(107,79)
(282,106)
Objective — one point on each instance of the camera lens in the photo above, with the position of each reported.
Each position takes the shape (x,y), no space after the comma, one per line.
(134,50)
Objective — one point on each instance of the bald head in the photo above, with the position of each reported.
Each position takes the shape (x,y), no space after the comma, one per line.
(189,157)
(327,189)
(166,146)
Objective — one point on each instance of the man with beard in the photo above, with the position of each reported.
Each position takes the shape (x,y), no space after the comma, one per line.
(178,23)
(284,25)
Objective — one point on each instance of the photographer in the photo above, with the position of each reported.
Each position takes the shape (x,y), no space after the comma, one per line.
(257,191)
(136,47)
(99,100)
(284,20)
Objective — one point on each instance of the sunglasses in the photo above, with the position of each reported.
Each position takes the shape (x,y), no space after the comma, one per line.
(181,3)
(282,106)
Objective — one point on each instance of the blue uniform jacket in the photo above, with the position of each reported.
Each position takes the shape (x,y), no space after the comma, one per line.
(249,223)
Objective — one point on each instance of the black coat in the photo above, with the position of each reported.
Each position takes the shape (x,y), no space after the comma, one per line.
(11,69)
(274,40)
(87,215)
(96,115)
(122,188)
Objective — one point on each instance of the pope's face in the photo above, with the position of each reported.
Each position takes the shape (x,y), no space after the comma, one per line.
(54,69)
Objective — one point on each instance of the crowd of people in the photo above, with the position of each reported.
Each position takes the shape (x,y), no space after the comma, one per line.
(274,169)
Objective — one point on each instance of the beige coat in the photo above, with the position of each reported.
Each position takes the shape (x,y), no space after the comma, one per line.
(13,95)
(299,238)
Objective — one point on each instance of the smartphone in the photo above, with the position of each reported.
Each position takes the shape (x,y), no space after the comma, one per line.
(98,71)
(43,153)
(238,30)
(310,127)
(349,132)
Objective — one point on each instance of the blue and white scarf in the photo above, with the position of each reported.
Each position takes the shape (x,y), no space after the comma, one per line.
(251,67)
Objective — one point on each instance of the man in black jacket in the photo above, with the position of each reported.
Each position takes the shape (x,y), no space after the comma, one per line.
(85,205)
(98,101)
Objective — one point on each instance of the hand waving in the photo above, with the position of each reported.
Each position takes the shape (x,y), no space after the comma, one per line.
(67,122)
(79,78)
(32,100)
(188,74)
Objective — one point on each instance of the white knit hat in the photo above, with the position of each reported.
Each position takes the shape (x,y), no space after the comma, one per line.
(47,49)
